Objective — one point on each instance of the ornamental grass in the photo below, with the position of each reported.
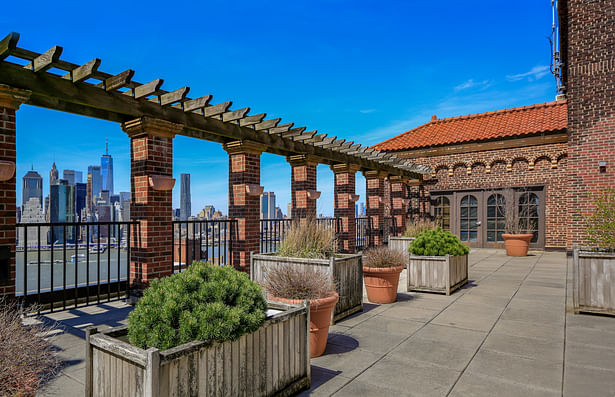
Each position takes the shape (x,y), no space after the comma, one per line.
(383,257)
(298,282)
(308,240)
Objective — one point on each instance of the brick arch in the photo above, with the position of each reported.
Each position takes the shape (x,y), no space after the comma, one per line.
(498,165)
(561,156)
(542,157)
(441,171)
(460,164)
(520,163)
(478,166)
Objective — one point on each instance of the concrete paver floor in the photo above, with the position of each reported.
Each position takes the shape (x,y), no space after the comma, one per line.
(509,332)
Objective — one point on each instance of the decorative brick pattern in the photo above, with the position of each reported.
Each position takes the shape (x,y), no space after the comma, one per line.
(399,202)
(303,179)
(344,207)
(374,199)
(591,106)
(151,153)
(244,169)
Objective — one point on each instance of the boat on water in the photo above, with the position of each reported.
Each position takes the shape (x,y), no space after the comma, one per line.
(77,257)
(96,250)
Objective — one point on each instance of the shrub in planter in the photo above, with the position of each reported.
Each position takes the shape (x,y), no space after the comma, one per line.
(308,240)
(381,269)
(27,360)
(294,284)
(205,302)
(438,262)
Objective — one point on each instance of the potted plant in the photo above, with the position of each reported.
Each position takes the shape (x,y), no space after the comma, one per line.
(381,269)
(413,228)
(594,265)
(519,223)
(438,262)
(207,330)
(310,244)
(295,284)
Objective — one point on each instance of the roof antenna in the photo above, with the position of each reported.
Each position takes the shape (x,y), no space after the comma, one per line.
(106,146)
(556,64)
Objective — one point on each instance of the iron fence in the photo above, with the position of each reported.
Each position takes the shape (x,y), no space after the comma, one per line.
(207,240)
(363,227)
(72,263)
(272,231)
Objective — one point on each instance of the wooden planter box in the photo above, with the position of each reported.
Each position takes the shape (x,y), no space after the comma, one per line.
(593,276)
(275,359)
(401,244)
(347,270)
(442,274)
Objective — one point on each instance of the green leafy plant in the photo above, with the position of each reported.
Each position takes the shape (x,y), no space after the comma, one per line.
(383,257)
(414,227)
(205,302)
(298,282)
(437,242)
(308,240)
(600,226)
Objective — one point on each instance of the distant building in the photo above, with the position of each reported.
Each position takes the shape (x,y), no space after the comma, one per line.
(289,210)
(32,187)
(69,176)
(62,209)
(95,174)
(106,170)
(81,192)
(218,215)
(268,205)
(104,197)
(362,209)
(53,176)
(207,212)
(185,204)
(32,213)
(278,213)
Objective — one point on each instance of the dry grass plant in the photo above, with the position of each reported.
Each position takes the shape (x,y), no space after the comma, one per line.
(308,240)
(383,257)
(414,227)
(298,282)
(516,219)
(27,359)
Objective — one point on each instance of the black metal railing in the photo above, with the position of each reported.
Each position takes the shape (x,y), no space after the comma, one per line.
(272,231)
(72,263)
(206,240)
(363,228)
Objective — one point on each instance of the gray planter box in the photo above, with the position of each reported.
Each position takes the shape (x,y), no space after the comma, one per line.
(275,359)
(593,276)
(401,244)
(441,274)
(347,270)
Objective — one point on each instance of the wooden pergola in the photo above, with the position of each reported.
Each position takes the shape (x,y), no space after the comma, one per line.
(85,90)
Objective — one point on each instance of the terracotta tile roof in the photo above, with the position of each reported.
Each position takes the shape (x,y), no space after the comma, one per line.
(526,120)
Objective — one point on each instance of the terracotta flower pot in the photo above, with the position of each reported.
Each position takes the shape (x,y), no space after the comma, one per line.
(517,244)
(320,318)
(381,283)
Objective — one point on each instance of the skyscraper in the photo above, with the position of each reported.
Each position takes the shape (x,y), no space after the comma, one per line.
(106,170)
(53,176)
(32,187)
(81,191)
(69,176)
(62,209)
(268,205)
(185,203)
(94,171)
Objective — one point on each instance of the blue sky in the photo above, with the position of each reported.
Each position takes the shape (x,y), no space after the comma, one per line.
(360,70)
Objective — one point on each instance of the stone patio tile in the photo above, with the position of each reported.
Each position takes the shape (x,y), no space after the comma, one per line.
(529,329)
(62,386)
(533,348)
(472,309)
(469,320)
(373,341)
(410,313)
(583,381)
(347,363)
(465,338)
(540,374)
(357,388)
(445,354)
(424,300)
(591,336)
(590,356)
(324,382)
(602,323)
(480,385)
(390,325)
(409,378)
(479,300)
(535,315)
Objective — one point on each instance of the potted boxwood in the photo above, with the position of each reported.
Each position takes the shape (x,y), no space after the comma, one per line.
(438,262)
(381,269)
(294,284)
(207,330)
(594,265)
(310,244)
(414,227)
(519,225)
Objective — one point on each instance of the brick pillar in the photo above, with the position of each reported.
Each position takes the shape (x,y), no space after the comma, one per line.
(375,202)
(344,206)
(590,76)
(303,185)
(151,154)
(399,207)
(10,100)
(244,198)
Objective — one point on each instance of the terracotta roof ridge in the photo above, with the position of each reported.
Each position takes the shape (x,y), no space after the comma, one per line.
(402,134)
(499,111)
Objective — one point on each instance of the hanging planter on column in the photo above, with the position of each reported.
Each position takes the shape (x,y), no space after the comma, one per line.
(254,189)
(353,197)
(7,170)
(313,194)
(161,182)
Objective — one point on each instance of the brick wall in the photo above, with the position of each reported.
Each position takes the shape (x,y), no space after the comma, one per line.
(590,62)
(244,169)
(399,204)
(303,179)
(374,208)
(524,166)
(344,207)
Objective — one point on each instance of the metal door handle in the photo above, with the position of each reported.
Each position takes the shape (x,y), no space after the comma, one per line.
(478,223)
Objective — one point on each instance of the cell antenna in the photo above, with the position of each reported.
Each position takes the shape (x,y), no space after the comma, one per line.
(106,146)
(556,62)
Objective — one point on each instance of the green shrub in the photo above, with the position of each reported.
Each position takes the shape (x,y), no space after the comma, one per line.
(437,242)
(205,302)
(600,226)
(308,240)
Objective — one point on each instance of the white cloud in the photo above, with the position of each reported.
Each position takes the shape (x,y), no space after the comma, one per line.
(472,84)
(367,111)
(537,72)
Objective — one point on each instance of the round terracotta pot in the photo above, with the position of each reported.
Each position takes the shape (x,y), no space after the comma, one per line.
(381,283)
(517,244)
(320,318)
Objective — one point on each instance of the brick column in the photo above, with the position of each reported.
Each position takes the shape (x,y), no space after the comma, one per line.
(303,185)
(244,202)
(375,202)
(10,100)
(344,206)
(399,211)
(151,154)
